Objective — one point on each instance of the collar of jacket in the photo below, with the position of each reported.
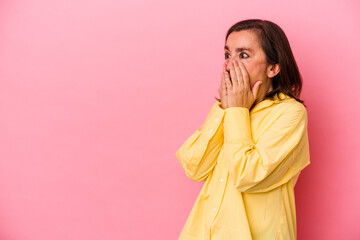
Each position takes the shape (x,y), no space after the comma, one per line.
(268,102)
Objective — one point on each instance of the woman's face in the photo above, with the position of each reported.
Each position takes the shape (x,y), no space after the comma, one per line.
(245,46)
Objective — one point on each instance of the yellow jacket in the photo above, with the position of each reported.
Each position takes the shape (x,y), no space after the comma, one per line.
(250,161)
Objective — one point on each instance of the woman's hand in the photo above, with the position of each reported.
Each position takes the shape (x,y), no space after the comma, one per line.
(222,88)
(239,92)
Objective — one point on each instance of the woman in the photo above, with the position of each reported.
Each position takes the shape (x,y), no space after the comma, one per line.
(253,144)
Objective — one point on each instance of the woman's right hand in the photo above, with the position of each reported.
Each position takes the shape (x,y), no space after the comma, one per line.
(222,89)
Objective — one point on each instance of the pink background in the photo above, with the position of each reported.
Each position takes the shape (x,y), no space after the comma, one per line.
(96,96)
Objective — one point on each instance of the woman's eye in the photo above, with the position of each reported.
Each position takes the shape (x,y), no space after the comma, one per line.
(244,55)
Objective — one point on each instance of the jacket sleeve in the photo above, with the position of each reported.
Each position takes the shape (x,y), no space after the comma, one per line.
(280,153)
(198,154)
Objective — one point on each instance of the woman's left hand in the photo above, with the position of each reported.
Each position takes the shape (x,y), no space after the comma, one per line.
(239,90)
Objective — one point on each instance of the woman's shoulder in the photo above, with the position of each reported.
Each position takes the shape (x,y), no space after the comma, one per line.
(289,99)
(290,104)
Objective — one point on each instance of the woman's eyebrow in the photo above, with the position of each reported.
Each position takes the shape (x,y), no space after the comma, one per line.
(239,49)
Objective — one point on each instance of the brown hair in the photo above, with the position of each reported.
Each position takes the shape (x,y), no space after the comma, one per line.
(277,49)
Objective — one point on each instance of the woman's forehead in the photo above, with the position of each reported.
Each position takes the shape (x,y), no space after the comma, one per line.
(242,40)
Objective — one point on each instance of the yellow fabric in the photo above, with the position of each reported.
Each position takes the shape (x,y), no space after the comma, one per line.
(250,161)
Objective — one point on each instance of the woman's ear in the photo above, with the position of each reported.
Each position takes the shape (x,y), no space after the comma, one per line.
(273,70)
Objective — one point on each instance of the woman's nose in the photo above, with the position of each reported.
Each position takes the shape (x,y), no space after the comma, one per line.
(228,62)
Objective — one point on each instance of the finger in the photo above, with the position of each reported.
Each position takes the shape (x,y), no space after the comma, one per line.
(255,89)
(238,73)
(245,76)
(234,80)
(228,84)
(223,70)
(224,86)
